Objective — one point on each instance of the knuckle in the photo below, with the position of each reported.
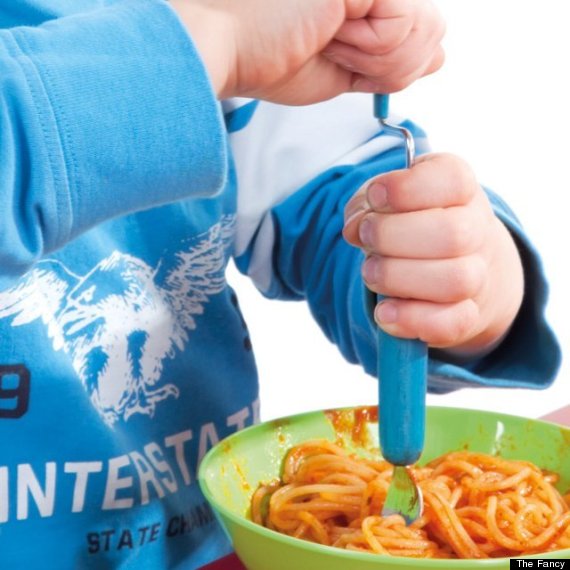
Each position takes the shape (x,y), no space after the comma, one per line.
(464,278)
(461,176)
(465,317)
(452,160)
(451,326)
(382,44)
(468,315)
(395,83)
(440,28)
(400,83)
(460,231)
(435,20)
(435,334)
(387,39)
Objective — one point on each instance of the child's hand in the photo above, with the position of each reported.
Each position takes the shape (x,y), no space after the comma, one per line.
(305,51)
(450,268)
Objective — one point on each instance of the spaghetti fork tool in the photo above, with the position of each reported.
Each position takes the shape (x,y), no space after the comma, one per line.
(402,380)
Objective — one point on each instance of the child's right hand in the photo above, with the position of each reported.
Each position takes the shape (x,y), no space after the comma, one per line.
(304,51)
(450,268)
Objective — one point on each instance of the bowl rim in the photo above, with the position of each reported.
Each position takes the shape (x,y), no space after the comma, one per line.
(352,555)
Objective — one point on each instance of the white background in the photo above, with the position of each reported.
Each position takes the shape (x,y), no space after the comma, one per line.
(502,101)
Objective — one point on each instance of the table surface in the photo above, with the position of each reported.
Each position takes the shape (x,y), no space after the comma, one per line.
(561,416)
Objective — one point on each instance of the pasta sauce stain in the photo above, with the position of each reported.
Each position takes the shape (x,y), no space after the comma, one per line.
(354,424)
(243,479)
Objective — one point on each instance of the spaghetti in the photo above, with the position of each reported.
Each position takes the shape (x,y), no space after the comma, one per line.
(475,505)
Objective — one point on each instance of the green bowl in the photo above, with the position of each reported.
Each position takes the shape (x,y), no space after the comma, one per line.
(233,469)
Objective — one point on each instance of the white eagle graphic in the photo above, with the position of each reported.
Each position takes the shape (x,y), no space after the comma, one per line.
(120,321)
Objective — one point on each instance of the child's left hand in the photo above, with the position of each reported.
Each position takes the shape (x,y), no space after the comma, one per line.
(449,267)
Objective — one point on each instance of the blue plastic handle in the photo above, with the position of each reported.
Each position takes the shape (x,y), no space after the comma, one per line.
(402,377)
(381,103)
(402,381)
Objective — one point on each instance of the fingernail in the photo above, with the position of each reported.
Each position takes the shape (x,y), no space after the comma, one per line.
(365,232)
(370,269)
(377,195)
(386,313)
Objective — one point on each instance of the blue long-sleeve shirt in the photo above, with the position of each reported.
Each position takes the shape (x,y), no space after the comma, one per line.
(125,188)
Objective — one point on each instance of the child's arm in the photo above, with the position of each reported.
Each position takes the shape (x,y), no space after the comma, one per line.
(111,110)
(296,251)
(102,113)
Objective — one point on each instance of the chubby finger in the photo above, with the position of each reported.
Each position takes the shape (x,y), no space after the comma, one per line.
(427,234)
(434,181)
(395,81)
(375,36)
(391,72)
(439,325)
(437,281)
(387,24)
